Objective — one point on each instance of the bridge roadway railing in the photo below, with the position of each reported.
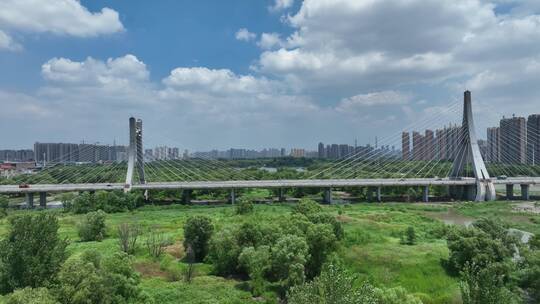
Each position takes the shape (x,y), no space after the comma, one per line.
(238,184)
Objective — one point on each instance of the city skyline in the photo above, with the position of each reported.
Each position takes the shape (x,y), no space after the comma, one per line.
(253,74)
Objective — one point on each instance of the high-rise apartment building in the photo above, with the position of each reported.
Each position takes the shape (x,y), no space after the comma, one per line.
(405,146)
(513,140)
(533,139)
(493,145)
(321,151)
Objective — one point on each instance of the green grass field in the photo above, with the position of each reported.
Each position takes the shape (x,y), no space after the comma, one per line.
(371,247)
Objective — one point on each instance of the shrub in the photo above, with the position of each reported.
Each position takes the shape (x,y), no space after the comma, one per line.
(155,243)
(321,242)
(325,218)
(307,206)
(4,205)
(245,206)
(485,285)
(197,233)
(67,201)
(409,236)
(93,279)
(190,270)
(83,203)
(127,235)
(32,252)
(396,295)
(31,296)
(92,227)
(334,285)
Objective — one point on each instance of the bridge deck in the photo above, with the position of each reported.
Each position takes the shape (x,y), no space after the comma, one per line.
(238,184)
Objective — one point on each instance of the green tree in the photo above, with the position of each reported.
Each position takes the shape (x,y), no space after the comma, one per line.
(30,295)
(485,285)
(197,233)
(529,275)
(325,218)
(32,252)
(289,257)
(224,251)
(321,241)
(93,279)
(256,262)
(92,227)
(333,286)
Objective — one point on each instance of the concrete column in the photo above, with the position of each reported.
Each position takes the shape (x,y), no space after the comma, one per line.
(379,195)
(509,191)
(327,196)
(425,194)
(525,192)
(186,196)
(43,199)
(281,195)
(232,197)
(30,200)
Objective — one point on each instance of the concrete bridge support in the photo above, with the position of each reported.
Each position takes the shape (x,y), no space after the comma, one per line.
(327,196)
(510,191)
(425,194)
(379,194)
(281,195)
(525,192)
(43,199)
(30,200)
(186,196)
(469,152)
(232,197)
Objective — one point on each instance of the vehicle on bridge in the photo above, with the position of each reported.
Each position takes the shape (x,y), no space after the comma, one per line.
(24,186)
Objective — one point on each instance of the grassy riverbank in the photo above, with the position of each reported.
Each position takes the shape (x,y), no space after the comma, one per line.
(371,247)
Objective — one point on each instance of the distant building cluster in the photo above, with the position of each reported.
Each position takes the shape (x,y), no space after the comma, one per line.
(515,141)
(440,144)
(16,155)
(336,151)
(162,153)
(242,153)
(78,153)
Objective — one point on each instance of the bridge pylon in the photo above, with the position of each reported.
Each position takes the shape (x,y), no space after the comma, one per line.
(469,153)
(135,153)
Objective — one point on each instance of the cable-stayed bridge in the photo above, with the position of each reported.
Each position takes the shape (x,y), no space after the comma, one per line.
(464,174)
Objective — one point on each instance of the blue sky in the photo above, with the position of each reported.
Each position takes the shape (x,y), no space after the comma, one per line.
(254,74)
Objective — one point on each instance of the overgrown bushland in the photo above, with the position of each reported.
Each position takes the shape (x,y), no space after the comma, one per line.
(92,227)
(128,234)
(108,201)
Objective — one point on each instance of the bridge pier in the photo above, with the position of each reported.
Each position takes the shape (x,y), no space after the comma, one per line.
(281,195)
(379,195)
(232,197)
(425,194)
(525,192)
(510,191)
(327,196)
(30,200)
(43,199)
(186,196)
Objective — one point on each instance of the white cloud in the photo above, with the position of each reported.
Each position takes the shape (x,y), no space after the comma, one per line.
(269,41)
(6,42)
(384,98)
(281,5)
(62,17)
(244,35)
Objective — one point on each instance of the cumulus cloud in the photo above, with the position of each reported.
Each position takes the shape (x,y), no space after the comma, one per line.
(269,41)
(360,101)
(62,17)
(244,35)
(281,5)
(6,42)
(341,47)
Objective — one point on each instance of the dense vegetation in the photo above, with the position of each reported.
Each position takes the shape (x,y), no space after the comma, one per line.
(302,253)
